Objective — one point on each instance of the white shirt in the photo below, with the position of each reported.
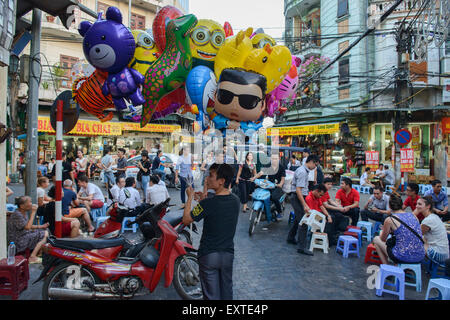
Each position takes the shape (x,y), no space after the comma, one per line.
(297,164)
(156,194)
(115,192)
(311,173)
(133,200)
(437,235)
(82,163)
(93,189)
(50,166)
(362,180)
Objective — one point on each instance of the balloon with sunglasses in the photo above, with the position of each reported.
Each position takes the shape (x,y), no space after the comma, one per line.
(239,101)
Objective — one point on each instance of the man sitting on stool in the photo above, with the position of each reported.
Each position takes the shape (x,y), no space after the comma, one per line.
(377,208)
(349,199)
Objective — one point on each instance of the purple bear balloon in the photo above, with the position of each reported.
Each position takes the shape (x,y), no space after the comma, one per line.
(109,46)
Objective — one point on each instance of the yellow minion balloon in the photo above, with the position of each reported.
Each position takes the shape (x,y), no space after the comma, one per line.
(271,62)
(146,51)
(259,40)
(234,52)
(206,39)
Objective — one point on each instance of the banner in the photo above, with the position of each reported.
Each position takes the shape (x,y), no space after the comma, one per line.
(446,125)
(305,130)
(85,127)
(406,160)
(372,159)
(133,126)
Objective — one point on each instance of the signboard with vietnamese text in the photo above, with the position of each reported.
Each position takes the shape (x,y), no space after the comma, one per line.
(406,160)
(304,130)
(372,159)
(85,127)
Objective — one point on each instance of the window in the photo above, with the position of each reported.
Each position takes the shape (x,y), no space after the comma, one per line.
(343,45)
(137,22)
(343,26)
(342,8)
(344,93)
(102,7)
(66,64)
(344,71)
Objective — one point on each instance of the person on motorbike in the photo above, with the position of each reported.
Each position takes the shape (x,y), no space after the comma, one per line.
(244,179)
(216,250)
(157,164)
(276,173)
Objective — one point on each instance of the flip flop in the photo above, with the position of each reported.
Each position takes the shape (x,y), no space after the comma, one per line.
(37,261)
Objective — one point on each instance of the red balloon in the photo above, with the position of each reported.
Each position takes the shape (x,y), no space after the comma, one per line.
(228,29)
(159,24)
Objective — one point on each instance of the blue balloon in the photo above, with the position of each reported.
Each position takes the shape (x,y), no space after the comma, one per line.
(201,85)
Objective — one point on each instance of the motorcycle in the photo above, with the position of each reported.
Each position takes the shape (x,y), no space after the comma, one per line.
(170,180)
(97,269)
(111,227)
(260,196)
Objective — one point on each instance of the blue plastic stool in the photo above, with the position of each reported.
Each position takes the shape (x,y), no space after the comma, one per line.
(442,285)
(417,268)
(359,232)
(366,228)
(435,270)
(100,220)
(357,187)
(376,228)
(124,224)
(347,245)
(98,212)
(365,190)
(386,271)
(11,207)
(388,187)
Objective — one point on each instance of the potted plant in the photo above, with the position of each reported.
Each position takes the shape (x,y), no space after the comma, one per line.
(45,85)
(58,71)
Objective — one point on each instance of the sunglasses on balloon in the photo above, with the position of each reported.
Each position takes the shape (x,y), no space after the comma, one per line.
(246,101)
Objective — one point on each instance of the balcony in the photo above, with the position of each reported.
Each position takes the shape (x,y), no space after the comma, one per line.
(294,8)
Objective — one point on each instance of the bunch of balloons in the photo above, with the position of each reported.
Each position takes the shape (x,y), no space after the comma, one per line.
(185,65)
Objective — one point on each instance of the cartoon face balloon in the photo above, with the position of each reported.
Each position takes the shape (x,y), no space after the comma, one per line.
(146,51)
(272,62)
(206,39)
(259,40)
(240,95)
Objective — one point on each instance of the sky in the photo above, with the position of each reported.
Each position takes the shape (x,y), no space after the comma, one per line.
(241,14)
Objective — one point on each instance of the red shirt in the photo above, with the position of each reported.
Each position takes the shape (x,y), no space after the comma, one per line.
(409,202)
(347,200)
(313,202)
(325,197)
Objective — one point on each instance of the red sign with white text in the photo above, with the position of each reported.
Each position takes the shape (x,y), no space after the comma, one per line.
(372,159)
(406,160)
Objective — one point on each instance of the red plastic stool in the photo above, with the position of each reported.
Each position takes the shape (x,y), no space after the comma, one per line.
(353,234)
(14,278)
(372,255)
(26,253)
(352,227)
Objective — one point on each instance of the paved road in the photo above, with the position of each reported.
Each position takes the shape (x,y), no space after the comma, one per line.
(266,267)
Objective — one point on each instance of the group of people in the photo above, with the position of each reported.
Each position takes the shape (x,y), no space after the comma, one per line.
(383,173)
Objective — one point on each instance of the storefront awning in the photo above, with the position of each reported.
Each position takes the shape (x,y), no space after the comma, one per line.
(318,129)
(97,128)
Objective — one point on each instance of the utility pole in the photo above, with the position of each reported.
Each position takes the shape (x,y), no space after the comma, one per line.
(403,38)
(33,107)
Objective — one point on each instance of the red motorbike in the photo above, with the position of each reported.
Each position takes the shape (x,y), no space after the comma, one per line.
(96,269)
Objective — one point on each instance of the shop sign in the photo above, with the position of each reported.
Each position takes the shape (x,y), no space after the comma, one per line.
(406,160)
(85,127)
(446,125)
(372,159)
(44,142)
(304,130)
(415,138)
(151,127)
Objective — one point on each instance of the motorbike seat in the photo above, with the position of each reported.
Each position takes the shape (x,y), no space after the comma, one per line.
(88,244)
(173,218)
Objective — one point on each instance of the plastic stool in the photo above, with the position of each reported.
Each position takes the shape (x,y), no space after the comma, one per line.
(359,233)
(347,245)
(442,285)
(352,227)
(366,228)
(376,228)
(124,224)
(96,213)
(100,220)
(386,271)
(365,190)
(372,255)
(357,187)
(416,267)
(435,270)
(388,187)
(14,278)
(319,241)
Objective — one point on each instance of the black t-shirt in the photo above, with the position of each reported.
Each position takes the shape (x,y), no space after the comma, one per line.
(66,168)
(147,165)
(121,164)
(220,214)
(156,163)
(277,176)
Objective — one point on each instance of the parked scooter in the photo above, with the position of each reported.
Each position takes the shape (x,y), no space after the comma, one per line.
(98,269)
(170,180)
(111,227)
(260,195)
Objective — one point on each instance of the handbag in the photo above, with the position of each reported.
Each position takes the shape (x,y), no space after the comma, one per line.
(393,240)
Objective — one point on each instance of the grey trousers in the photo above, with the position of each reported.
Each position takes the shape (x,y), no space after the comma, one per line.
(216,275)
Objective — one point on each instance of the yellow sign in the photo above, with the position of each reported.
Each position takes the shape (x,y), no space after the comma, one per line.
(85,127)
(305,130)
(151,127)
